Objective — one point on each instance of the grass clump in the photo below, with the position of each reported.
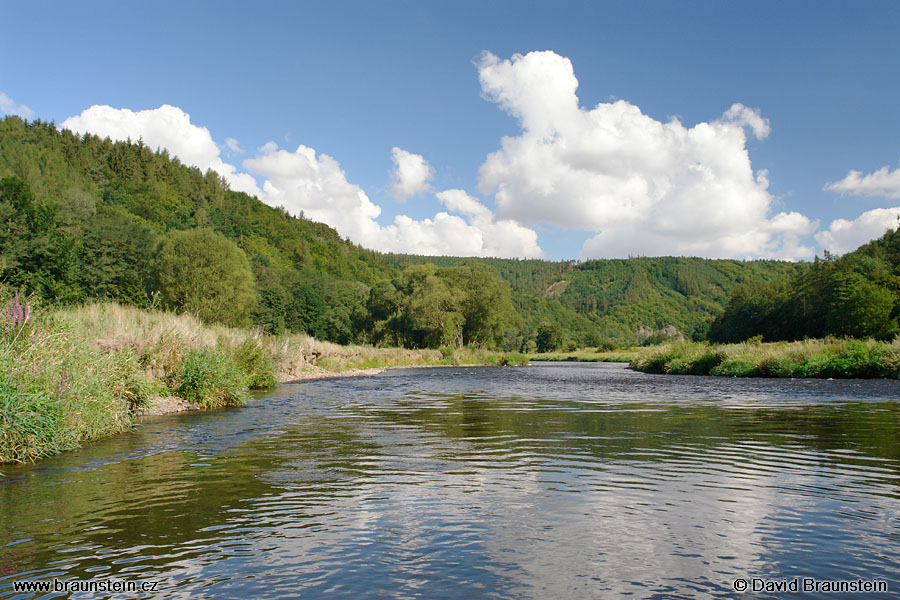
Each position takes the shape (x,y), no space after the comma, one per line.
(211,378)
(514,359)
(251,357)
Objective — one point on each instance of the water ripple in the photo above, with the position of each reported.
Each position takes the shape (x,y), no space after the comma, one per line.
(538,482)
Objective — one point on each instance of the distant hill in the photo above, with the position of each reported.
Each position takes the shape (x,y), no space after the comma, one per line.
(83,218)
(600,300)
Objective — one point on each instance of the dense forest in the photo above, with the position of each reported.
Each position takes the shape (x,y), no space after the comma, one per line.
(85,217)
(856,295)
(611,301)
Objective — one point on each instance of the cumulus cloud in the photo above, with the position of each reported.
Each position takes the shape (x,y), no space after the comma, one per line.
(748,117)
(164,127)
(317,186)
(9,107)
(411,174)
(882,182)
(643,186)
(845,236)
(314,184)
(487,235)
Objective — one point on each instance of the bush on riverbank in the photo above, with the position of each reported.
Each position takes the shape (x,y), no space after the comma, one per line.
(212,379)
(831,357)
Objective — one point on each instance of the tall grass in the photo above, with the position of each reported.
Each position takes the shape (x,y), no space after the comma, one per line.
(69,375)
(831,357)
(212,379)
(55,389)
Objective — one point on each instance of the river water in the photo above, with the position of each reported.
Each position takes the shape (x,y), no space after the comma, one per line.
(546,481)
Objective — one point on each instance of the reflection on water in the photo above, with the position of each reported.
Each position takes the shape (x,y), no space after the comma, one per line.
(547,481)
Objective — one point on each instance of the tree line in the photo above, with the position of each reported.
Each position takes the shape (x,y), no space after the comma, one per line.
(856,295)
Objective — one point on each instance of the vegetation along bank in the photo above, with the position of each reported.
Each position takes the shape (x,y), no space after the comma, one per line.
(818,358)
(74,374)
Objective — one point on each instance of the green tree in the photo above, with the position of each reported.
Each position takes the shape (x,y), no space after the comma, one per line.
(34,252)
(549,336)
(201,272)
(857,307)
(485,302)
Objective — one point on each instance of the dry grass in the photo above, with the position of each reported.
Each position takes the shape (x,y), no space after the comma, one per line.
(162,339)
(91,369)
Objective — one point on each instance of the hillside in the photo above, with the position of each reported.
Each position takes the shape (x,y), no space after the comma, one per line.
(601,300)
(106,205)
(86,218)
(855,295)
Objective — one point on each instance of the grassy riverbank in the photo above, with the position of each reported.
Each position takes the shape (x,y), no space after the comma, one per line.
(587,355)
(830,357)
(71,375)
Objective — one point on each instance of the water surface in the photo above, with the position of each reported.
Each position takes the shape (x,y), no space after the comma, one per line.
(546,481)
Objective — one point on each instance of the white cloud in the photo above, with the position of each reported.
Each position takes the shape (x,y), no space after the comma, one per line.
(316,185)
(9,107)
(411,174)
(882,182)
(491,237)
(164,127)
(845,236)
(749,117)
(643,186)
(233,145)
(302,181)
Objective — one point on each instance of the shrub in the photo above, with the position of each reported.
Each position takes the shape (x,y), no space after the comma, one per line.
(212,379)
(608,345)
(514,359)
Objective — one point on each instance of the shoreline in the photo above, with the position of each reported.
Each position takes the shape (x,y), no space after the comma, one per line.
(827,358)
(171,405)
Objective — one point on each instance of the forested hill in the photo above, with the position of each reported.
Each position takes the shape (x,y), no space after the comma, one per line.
(85,217)
(855,295)
(106,206)
(599,300)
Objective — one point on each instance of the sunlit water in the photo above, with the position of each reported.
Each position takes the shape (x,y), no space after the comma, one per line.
(546,481)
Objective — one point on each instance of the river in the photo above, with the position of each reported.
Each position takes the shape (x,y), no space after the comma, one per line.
(546,481)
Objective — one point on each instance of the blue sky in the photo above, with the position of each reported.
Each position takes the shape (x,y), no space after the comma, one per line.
(774,101)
